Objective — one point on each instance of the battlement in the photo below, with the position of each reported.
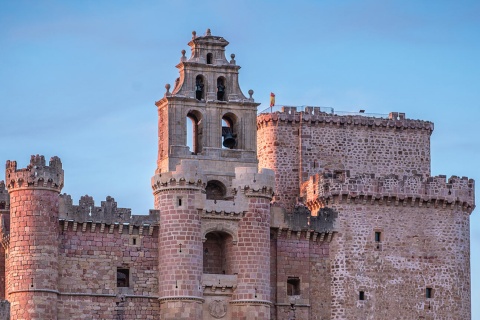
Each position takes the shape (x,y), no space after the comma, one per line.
(301,219)
(254,182)
(187,175)
(108,212)
(321,187)
(314,115)
(35,175)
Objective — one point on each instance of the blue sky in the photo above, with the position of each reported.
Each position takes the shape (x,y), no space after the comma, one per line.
(78,79)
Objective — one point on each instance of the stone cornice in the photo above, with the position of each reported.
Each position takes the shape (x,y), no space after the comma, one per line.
(184,98)
(181,298)
(117,227)
(250,302)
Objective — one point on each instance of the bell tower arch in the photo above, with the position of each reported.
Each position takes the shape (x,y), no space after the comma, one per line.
(206,94)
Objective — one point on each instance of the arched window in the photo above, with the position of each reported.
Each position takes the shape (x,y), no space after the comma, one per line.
(229,131)
(194,131)
(221,89)
(209,58)
(199,88)
(218,253)
(215,190)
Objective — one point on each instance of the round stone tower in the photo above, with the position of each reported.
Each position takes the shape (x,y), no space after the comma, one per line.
(251,299)
(32,255)
(178,195)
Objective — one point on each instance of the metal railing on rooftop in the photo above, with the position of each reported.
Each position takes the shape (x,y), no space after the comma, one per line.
(328,110)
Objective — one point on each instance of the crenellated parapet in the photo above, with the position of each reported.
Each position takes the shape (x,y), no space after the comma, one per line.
(186,176)
(301,224)
(313,115)
(108,212)
(390,189)
(253,182)
(36,175)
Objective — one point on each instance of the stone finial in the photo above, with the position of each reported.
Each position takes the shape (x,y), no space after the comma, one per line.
(183,58)
(194,34)
(167,86)
(250,93)
(208,33)
(232,61)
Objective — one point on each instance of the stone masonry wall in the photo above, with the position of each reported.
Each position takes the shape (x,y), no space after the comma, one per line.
(307,260)
(312,141)
(420,247)
(89,257)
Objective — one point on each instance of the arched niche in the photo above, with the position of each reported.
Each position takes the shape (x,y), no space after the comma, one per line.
(218,253)
(215,190)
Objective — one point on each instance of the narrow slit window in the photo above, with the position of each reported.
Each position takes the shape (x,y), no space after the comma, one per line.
(123,277)
(429,293)
(179,202)
(293,286)
(378,236)
(361,295)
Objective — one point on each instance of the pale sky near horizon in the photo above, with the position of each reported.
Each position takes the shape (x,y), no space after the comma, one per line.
(78,79)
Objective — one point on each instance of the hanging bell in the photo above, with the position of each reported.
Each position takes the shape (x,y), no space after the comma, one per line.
(229,141)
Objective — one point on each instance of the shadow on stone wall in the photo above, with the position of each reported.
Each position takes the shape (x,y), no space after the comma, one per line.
(4,310)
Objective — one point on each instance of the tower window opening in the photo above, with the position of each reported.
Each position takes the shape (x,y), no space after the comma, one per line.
(428,293)
(2,205)
(209,58)
(221,89)
(229,134)
(123,277)
(293,286)
(378,236)
(361,295)
(215,190)
(199,88)
(194,131)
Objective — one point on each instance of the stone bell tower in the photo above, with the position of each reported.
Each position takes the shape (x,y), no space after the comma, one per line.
(214,202)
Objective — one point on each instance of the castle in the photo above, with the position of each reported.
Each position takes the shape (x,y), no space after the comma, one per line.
(301,213)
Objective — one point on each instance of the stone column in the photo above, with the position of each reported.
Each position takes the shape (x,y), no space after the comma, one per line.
(32,262)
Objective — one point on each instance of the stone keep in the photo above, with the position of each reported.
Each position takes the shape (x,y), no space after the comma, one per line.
(291,214)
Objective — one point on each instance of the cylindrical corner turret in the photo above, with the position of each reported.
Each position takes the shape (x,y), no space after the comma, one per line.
(252,256)
(178,195)
(32,263)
